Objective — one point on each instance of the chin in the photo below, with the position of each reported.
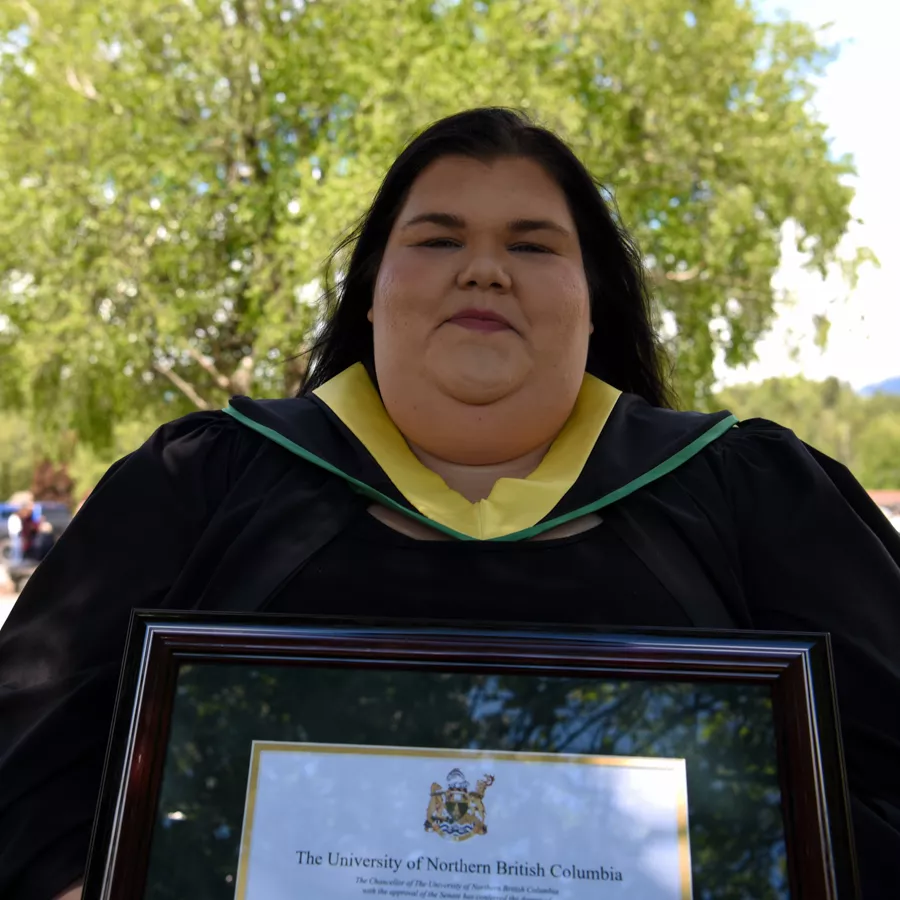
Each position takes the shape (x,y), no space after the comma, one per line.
(472,373)
(480,385)
(478,393)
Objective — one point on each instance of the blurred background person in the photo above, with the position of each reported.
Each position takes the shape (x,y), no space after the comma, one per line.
(22,526)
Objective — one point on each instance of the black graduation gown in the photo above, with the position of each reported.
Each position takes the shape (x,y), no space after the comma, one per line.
(212,514)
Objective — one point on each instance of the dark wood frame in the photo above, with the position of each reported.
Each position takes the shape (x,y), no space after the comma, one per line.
(821,860)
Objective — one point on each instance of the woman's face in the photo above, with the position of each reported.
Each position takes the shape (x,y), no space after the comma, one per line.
(481,298)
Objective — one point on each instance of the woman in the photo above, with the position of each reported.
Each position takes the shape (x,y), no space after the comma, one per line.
(484,434)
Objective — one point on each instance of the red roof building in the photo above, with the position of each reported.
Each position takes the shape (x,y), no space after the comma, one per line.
(888,499)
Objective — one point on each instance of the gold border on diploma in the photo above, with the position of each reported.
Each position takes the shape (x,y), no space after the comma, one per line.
(631,762)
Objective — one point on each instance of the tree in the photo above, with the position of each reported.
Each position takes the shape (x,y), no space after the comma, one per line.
(25,466)
(861,432)
(879,451)
(173,172)
(17,455)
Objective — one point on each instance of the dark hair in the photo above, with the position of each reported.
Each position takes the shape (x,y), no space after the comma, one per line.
(623,351)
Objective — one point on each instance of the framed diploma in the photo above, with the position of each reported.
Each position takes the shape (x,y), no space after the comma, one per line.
(284,758)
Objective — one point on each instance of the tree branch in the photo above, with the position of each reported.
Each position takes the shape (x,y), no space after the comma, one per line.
(686,275)
(80,85)
(242,377)
(34,18)
(204,362)
(182,386)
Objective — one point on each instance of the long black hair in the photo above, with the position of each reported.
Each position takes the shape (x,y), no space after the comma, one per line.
(623,351)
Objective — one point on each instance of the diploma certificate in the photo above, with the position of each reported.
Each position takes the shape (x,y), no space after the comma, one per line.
(258,757)
(341,822)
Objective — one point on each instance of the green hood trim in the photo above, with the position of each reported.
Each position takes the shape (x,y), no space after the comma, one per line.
(658,471)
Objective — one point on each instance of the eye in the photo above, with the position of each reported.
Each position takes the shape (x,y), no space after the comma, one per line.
(531,248)
(439,243)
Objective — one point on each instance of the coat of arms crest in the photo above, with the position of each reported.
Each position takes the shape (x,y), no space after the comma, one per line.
(456,812)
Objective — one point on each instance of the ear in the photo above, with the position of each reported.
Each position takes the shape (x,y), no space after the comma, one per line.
(371,318)
(592,328)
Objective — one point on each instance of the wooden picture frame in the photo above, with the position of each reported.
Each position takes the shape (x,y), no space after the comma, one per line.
(790,672)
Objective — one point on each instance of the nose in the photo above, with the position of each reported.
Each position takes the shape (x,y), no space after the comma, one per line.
(484,271)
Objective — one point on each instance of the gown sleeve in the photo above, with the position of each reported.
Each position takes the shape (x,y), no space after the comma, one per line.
(61,647)
(818,555)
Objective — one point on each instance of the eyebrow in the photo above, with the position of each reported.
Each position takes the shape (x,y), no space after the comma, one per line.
(517,226)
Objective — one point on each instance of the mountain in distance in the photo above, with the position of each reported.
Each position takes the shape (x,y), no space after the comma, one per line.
(889,386)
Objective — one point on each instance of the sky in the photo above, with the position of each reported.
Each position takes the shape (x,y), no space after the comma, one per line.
(855,99)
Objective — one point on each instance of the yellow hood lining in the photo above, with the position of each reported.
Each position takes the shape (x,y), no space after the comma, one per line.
(514,504)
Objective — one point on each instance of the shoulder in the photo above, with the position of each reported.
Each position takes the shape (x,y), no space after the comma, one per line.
(208,446)
(295,422)
(764,465)
(200,432)
(196,434)
(765,447)
(757,458)
(285,415)
(259,434)
(191,463)
(642,442)
(731,436)
(717,452)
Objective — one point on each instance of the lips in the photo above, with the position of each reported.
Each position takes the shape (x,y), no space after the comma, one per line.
(480,320)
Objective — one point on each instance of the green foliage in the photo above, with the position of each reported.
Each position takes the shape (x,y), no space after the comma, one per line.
(861,432)
(172,174)
(724,732)
(23,447)
(17,455)
(878,446)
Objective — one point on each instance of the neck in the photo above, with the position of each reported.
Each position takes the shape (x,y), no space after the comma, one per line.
(476,482)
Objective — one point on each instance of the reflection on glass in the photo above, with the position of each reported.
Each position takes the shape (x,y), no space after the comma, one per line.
(724,732)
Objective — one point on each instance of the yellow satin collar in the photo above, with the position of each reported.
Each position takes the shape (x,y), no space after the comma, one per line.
(514,503)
